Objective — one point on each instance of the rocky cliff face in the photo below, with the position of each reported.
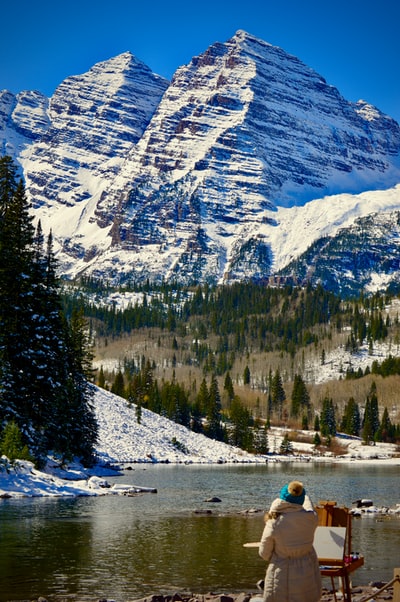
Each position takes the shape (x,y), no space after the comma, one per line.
(94,119)
(139,178)
(363,256)
(23,120)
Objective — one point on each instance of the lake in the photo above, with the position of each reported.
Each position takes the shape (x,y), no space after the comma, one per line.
(123,548)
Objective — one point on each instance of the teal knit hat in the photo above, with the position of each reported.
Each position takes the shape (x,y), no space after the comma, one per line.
(293,492)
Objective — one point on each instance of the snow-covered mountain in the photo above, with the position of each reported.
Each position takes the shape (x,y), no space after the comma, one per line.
(208,177)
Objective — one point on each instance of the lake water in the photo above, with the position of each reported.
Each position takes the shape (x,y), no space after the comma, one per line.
(123,548)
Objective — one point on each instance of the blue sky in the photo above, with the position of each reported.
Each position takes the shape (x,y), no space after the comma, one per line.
(354,44)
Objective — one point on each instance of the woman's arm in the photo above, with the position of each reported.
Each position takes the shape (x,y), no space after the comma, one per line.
(267,542)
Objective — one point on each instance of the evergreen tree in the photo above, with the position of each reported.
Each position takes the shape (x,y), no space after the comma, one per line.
(12,445)
(371,421)
(228,386)
(42,372)
(138,412)
(300,397)
(286,446)
(118,386)
(241,434)
(196,424)
(202,398)
(327,418)
(367,433)
(385,432)
(16,311)
(278,395)
(317,440)
(78,411)
(101,381)
(260,439)
(351,420)
(214,427)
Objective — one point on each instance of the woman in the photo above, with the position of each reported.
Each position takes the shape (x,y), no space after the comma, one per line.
(287,544)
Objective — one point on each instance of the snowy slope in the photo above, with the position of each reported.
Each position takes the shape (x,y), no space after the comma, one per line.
(123,439)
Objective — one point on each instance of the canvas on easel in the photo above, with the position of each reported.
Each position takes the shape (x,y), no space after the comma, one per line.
(329,543)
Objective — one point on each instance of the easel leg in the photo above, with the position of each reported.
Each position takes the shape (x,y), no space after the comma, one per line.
(346,587)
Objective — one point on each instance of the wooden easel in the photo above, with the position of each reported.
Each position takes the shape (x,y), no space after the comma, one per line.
(330,515)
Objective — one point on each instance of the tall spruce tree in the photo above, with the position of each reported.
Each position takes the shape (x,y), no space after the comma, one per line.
(351,420)
(16,308)
(214,427)
(278,395)
(328,418)
(40,375)
(79,412)
(300,397)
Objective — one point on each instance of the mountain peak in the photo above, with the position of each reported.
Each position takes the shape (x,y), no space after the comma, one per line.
(143,178)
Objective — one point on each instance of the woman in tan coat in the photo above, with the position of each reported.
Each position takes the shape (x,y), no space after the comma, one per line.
(287,544)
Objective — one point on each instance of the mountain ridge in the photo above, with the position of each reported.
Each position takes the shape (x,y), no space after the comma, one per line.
(140,178)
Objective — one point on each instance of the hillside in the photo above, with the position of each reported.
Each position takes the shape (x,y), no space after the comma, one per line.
(246,335)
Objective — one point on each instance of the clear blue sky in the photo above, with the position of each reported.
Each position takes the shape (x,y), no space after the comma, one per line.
(354,44)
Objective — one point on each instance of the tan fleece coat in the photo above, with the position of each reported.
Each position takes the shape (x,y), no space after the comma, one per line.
(287,544)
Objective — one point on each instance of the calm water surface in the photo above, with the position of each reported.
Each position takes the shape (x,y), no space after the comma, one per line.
(124,548)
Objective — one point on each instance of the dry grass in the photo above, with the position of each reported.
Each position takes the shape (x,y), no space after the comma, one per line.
(157,346)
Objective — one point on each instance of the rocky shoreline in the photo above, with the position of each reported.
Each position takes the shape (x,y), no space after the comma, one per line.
(358,594)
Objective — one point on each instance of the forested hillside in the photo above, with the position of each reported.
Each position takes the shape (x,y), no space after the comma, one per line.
(229,361)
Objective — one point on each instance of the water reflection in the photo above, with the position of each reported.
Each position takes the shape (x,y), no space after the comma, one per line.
(128,547)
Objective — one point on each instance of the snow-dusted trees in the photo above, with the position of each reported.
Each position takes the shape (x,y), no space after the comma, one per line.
(351,420)
(300,398)
(371,423)
(328,418)
(278,395)
(43,386)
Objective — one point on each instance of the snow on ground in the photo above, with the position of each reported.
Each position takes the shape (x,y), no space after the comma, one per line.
(122,439)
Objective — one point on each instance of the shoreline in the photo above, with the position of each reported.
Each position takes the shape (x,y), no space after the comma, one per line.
(358,594)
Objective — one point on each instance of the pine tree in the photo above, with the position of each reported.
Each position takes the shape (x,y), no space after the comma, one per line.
(367,434)
(327,418)
(278,395)
(203,397)
(118,386)
(228,386)
(371,422)
(385,429)
(214,428)
(43,370)
(12,445)
(300,397)
(78,408)
(241,434)
(101,381)
(16,311)
(260,443)
(351,421)
(286,446)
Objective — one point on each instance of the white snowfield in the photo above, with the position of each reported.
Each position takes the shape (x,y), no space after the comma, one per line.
(122,440)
